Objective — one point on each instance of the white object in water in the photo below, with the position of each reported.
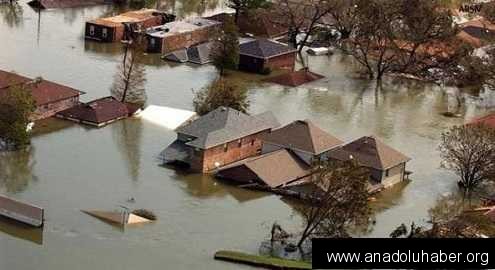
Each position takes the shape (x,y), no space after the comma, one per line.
(29,126)
(167,117)
(319,51)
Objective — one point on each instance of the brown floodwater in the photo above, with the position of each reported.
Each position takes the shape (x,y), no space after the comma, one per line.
(71,167)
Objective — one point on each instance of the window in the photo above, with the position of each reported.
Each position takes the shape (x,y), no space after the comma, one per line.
(387,173)
(225,147)
(239,143)
(104,32)
(252,142)
(91,30)
(152,42)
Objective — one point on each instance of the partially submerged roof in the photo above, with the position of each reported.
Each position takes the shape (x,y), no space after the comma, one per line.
(199,54)
(477,32)
(264,48)
(99,111)
(224,125)
(43,91)
(371,152)
(275,169)
(127,17)
(488,120)
(179,27)
(176,151)
(44,4)
(296,78)
(303,135)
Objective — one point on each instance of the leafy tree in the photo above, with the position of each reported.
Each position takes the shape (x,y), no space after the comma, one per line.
(16,106)
(129,81)
(469,151)
(225,51)
(340,201)
(221,93)
(245,5)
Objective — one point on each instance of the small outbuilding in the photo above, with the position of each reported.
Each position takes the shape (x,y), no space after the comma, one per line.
(179,35)
(264,55)
(100,112)
(112,29)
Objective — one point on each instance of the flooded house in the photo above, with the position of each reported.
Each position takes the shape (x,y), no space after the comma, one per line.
(50,97)
(477,32)
(264,55)
(387,166)
(112,29)
(198,54)
(288,155)
(179,35)
(218,138)
(99,112)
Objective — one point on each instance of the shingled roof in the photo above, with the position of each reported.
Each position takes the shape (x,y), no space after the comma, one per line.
(224,125)
(303,135)
(371,152)
(44,92)
(275,169)
(264,48)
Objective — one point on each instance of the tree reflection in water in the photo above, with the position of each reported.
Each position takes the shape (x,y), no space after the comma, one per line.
(11,13)
(127,135)
(16,170)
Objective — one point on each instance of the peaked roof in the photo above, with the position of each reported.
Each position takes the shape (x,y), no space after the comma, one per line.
(303,135)
(295,78)
(275,169)
(100,110)
(224,125)
(371,152)
(200,54)
(44,92)
(264,48)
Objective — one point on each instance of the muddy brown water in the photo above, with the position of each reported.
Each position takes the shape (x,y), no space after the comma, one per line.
(70,167)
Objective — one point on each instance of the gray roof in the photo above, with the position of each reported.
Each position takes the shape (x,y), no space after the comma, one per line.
(200,54)
(264,48)
(179,56)
(176,151)
(225,125)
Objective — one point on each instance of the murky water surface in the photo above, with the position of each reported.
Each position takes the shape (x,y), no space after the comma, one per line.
(71,167)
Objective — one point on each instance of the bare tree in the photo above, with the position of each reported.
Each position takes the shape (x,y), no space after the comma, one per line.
(129,81)
(469,151)
(340,200)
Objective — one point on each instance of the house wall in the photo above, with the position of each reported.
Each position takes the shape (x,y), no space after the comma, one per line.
(50,109)
(204,160)
(285,61)
(240,174)
(97,33)
(251,64)
(188,39)
(394,176)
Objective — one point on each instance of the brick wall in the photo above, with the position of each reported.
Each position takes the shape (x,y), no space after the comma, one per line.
(204,161)
(286,61)
(50,109)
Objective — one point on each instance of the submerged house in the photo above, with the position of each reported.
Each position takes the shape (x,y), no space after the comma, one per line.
(263,55)
(387,166)
(50,97)
(478,32)
(198,54)
(178,35)
(112,29)
(218,138)
(99,112)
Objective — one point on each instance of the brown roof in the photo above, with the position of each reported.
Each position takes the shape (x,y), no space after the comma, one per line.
(303,135)
(488,120)
(371,152)
(276,168)
(477,32)
(20,211)
(99,111)
(127,17)
(65,3)
(295,78)
(44,92)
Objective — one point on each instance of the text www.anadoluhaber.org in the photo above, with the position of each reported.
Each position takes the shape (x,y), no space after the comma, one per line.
(409,257)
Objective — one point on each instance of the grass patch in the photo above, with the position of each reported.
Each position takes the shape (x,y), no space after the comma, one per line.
(262,261)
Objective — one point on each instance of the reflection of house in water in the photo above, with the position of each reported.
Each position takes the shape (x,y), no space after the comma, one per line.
(218,138)
(21,231)
(113,29)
